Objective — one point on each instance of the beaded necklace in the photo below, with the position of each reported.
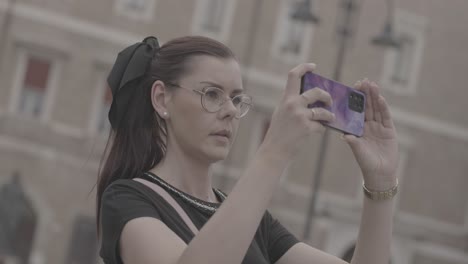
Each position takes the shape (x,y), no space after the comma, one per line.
(198,203)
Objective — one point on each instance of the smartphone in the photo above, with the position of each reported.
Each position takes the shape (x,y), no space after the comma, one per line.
(348,104)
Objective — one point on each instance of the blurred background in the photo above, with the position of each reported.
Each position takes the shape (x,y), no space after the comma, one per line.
(55,56)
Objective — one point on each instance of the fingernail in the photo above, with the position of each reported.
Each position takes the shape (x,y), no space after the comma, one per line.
(342,137)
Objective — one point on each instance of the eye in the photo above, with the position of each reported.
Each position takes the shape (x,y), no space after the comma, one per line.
(212,94)
(237,100)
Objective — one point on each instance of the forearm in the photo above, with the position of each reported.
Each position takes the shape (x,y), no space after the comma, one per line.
(226,237)
(375,232)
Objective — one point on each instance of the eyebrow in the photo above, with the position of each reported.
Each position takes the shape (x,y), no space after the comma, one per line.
(235,91)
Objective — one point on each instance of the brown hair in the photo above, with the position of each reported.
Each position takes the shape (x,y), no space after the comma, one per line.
(138,144)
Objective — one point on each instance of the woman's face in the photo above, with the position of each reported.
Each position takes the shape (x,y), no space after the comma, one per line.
(191,128)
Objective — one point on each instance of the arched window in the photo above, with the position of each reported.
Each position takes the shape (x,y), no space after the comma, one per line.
(36,81)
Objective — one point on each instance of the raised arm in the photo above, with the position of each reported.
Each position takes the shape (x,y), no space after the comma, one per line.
(377,155)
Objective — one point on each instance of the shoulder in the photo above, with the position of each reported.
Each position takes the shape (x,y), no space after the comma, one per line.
(122,186)
(125,199)
(121,202)
(128,190)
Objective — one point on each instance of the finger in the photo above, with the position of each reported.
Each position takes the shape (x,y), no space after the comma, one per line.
(387,120)
(316,94)
(363,86)
(293,85)
(374,91)
(358,85)
(321,114)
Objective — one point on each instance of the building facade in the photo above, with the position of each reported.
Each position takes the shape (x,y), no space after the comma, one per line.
(55,55)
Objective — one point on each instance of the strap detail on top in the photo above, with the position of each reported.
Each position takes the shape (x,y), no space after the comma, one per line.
(166,196)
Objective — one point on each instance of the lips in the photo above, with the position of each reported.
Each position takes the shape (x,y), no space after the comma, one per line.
(224,133)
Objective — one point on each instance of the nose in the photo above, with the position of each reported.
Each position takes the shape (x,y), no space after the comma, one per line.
(228,109)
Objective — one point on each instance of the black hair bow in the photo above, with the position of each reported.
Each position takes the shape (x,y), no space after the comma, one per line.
(131,64)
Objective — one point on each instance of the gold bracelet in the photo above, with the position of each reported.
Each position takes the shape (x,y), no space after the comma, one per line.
(380,195)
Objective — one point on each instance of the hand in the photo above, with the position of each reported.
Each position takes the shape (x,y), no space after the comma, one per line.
(377,150)
(292,121)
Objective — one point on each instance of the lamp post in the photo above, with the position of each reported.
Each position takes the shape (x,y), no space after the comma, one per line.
(5,26)
(345,33)
(303,13)
(387,37)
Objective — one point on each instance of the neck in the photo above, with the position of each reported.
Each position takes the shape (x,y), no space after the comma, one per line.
(186,174)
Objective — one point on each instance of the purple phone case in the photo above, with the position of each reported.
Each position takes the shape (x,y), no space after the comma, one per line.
(347,120)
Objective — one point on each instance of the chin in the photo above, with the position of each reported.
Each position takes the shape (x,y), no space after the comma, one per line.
(219,155)
(216,154)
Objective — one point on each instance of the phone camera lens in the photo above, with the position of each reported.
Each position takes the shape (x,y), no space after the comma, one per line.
(356,102)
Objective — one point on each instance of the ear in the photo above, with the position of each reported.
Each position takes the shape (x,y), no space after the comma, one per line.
(160,97)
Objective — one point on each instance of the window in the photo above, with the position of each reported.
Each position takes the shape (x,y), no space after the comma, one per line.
(294,36)
(214,15)
(213,18)
(34,86)
(135,9)
(292,39)
(401,65)
(403,60)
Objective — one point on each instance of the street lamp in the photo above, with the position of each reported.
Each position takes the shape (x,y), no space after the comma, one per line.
(303,13)
(387,37)
(344,35)
(7,16)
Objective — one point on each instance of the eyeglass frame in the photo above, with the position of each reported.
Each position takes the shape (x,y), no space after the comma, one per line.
(202,94)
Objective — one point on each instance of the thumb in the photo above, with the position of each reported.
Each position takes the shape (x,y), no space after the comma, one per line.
(353,143)
(352,140)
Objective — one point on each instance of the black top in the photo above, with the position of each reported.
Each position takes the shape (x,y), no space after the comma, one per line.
(124,200)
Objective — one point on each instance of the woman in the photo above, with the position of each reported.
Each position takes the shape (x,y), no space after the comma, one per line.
(175,112)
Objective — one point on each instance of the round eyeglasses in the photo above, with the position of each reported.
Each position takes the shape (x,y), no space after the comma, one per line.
(213,98)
